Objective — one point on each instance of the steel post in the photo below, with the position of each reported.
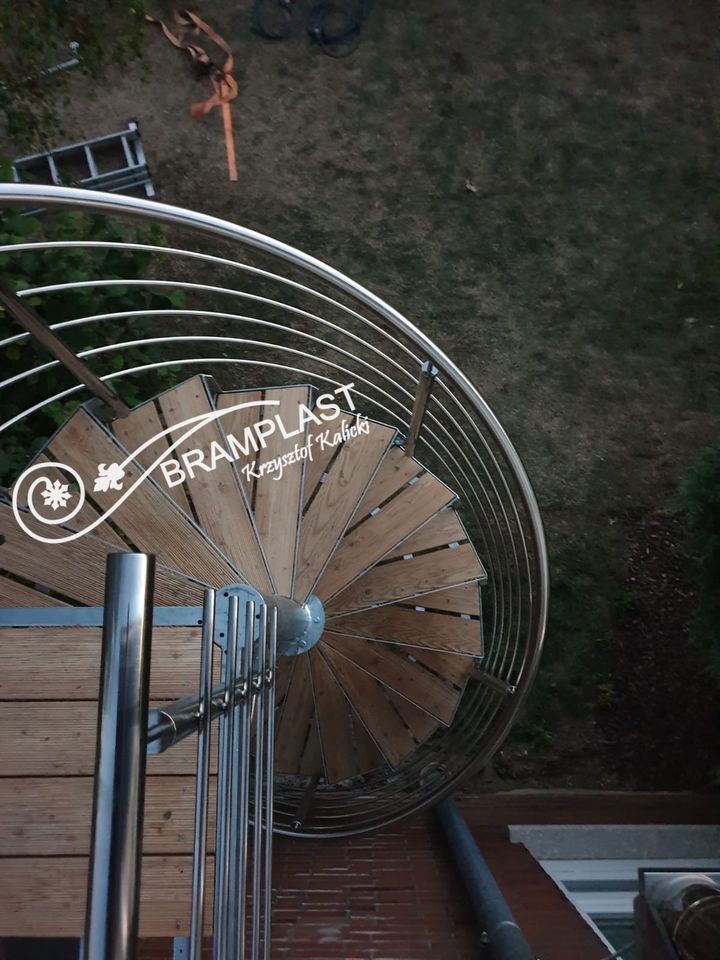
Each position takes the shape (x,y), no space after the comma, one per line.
(119,790)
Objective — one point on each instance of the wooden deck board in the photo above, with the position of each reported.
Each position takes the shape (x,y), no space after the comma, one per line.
(42,817)
(406,579)
(59,884)
(57,739)
(63,663)
(379,533)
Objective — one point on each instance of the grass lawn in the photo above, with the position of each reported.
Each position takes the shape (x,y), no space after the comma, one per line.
(535,185)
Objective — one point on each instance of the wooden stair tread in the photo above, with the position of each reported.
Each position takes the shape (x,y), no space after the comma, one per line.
(150,520)
(396,470)
(322,455)
(277,504)
(297,713)
(412,628)
(218,498)
(380,532)
(405,579)
(140,426)
(87,514)
(464,598)
(77,569)
(420,723)
(444,528)
(15,594)
(236,423)
(334,723)
(335,502)
(411,680)
(366,695)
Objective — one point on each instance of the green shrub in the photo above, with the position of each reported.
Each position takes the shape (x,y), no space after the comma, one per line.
(32,268)
(35,36)
(700,498)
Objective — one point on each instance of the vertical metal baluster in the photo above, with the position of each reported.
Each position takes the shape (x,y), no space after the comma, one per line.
(260,705)
(202,777)
(244,781)
(221,911)
(236,880)
(218,898)
(269,774)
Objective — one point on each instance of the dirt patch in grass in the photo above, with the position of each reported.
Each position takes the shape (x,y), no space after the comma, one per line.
(577,285)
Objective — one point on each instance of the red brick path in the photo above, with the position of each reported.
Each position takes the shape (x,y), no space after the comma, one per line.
(392,895)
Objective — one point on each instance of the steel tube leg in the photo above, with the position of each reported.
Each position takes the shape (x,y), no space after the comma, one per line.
(202,777)
(269,778)
(111,924)
(260,686)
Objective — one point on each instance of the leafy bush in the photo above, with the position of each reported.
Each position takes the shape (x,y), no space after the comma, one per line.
(700,498)
(35,36)
(33,268)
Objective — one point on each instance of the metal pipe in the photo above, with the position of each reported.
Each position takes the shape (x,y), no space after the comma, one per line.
(260,688)
(202,778)
(243,785)
(269,778)
(428,373)
(228,891)
(117,825)
(504,936)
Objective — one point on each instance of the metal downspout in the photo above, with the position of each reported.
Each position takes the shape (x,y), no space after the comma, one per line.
(504,936)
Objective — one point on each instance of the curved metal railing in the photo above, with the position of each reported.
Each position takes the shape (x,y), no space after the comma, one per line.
(270,315)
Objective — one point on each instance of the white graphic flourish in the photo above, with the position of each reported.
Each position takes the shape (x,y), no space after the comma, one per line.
(108,478)
(112,475)
(55,495)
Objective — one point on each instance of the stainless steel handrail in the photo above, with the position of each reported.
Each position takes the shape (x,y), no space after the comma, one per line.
(366,338)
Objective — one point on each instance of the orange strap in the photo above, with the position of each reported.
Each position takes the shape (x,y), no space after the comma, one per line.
(223,83)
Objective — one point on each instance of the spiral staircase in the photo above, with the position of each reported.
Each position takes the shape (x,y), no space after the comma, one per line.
(412,542)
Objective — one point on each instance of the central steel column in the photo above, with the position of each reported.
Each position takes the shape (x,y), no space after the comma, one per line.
(111,924)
